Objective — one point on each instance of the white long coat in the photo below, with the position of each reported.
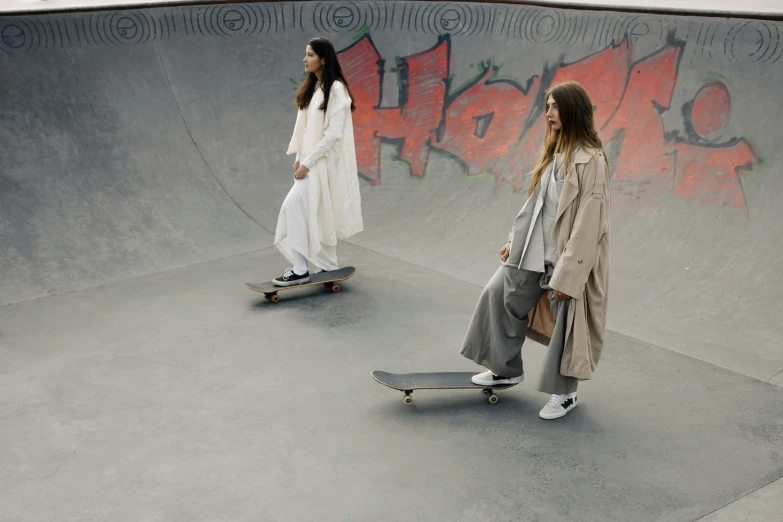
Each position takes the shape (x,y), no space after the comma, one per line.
(325,144)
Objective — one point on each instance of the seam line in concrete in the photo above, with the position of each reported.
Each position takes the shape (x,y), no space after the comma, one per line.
(198,149)
(738,499)
(171,269)
(259,250)
(412,264)
(613,331)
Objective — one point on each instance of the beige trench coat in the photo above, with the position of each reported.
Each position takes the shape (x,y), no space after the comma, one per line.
(582,271)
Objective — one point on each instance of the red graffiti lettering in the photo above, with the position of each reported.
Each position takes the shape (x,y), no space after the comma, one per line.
(604,75)
(484,120)
(482,125)
(710,174)
(643,164)
(711,108)
(409,125)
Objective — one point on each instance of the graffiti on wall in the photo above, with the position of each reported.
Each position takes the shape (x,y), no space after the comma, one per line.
(493,125)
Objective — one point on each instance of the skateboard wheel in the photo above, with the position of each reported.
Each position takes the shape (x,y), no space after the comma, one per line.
(275,298)
(335,288)
(407,399)
(493,399)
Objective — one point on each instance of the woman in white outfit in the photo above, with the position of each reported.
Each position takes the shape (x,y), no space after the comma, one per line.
(324,204)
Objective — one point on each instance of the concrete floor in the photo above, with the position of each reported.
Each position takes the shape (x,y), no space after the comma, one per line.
(183,396)
(763,504)
(142,169)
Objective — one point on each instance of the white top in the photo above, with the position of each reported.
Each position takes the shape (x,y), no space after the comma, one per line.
(541,247)
(332,132)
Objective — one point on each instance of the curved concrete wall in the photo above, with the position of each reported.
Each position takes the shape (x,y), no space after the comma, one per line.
(136,141)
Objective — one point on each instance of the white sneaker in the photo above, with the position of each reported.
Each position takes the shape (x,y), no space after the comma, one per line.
(490,379)
(558,406)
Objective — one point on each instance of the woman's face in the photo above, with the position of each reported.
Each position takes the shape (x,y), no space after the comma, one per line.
(552,114)
(312,62)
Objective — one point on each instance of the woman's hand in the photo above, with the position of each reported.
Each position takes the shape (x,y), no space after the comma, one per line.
(296,167)
(560,296)
(505,251)
(301,172)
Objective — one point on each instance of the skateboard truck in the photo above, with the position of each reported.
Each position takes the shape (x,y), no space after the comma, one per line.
(493,398)
(272,296)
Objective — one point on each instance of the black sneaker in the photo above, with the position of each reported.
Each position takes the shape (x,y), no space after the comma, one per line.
(291,278)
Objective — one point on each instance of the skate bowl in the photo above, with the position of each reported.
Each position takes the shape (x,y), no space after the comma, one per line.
(142,169)
(138,141)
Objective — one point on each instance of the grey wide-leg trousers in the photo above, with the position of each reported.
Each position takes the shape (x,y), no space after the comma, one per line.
(497,330)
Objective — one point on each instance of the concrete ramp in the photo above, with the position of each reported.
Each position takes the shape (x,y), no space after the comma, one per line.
(142,169)
(132,142)
(101,178)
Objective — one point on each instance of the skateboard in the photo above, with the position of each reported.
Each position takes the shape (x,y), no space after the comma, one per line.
(328,279)
(407,382)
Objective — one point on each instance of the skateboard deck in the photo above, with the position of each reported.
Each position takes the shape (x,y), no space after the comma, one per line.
(328,279)
(407,382)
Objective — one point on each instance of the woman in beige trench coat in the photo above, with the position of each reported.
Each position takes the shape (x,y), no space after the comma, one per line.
(553,282)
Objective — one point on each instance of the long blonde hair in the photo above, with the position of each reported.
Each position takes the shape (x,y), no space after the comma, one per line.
(577,127)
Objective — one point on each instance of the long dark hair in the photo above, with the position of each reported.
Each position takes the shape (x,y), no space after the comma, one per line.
(578,126)
(331,73)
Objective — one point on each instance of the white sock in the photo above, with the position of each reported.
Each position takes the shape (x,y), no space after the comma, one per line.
(300,263)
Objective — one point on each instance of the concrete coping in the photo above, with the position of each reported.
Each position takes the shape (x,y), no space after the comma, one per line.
(764,9)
